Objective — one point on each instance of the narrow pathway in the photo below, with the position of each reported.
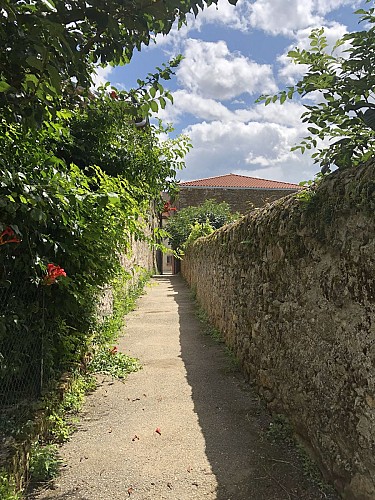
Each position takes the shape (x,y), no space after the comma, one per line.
(184,427)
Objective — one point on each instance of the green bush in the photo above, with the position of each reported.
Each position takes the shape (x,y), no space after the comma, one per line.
(180,225)
(197,230)
(44,463)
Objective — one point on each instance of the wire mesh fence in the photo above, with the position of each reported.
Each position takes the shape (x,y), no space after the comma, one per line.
(22,350)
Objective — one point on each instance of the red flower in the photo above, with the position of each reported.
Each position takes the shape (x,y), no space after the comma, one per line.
(53,272)
(113,94)
(168,207)
(8,236)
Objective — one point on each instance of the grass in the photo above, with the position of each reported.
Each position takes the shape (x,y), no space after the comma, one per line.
(208,329)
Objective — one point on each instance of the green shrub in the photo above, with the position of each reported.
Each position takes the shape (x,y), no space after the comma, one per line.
(44,463)
(179,226)
(109,361)
(197,230)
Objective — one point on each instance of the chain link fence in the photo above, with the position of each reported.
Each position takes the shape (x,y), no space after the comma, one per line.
(22,356)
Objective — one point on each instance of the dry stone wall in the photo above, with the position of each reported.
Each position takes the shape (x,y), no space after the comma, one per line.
(292,288)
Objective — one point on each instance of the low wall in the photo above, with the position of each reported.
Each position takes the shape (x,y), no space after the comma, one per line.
(292,288)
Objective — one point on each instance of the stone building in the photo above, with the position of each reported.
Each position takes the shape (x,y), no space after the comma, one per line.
(241,192)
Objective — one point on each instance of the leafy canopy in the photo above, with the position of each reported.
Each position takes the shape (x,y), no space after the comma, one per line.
(48,44)
(210,213)
(342,121)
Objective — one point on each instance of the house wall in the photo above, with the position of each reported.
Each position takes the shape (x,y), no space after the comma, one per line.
(240,200)
(292,288)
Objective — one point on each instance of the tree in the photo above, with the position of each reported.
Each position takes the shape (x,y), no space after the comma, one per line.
(48,44)
(180,225)
(345,114)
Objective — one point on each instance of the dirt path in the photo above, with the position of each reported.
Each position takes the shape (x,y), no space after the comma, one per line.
(212,442)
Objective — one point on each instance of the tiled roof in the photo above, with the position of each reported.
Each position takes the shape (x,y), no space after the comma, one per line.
(240,182)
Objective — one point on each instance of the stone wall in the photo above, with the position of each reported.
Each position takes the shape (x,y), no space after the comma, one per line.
(240,200)
(292,288)
(140,259)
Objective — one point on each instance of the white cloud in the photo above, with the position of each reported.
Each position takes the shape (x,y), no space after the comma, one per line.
(206,109)
(287,17)
(287,114)
(212,71)
(253,147)
(224,13)
(281,17)
(101,75)
(220,14)
(326,6)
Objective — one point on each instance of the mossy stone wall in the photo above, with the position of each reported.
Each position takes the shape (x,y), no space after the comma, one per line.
(292,288)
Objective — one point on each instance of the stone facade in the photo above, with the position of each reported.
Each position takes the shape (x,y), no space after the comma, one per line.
(239,199)
(292,288)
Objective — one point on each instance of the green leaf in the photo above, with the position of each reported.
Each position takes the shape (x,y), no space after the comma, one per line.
(35,62)
(154,106)
(4,86)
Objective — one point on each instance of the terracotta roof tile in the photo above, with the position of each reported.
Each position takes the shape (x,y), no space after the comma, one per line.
(239,181)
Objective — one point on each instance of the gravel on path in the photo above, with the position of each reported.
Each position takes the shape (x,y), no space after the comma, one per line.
(184,427)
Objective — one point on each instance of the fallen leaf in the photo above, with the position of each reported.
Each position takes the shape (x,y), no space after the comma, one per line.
(158,431)
(169,486)
(130,491)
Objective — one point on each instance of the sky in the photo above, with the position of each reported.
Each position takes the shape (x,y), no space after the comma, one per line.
(232,54)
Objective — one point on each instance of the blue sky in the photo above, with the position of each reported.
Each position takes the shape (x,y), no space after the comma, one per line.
(232,55)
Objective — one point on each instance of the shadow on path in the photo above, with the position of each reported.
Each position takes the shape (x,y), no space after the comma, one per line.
(246,464)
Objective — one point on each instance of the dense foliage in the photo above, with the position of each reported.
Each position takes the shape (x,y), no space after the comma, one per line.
(198,219)
(342,84)
(47,45)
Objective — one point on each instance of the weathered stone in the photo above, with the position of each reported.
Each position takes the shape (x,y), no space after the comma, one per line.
(292,288)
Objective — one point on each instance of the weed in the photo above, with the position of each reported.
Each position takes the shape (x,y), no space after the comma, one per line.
(80,385)
(7,487)
(60,412)
(111,362)
(280,430)
(59,427)
(233,364)
(209,330)
(311,470)
(44,463)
